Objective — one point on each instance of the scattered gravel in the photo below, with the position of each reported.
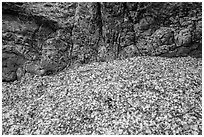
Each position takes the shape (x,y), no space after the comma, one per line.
(140,96)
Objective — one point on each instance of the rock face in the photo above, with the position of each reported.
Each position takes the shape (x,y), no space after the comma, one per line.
(174,42)
(28,37)
(59,34)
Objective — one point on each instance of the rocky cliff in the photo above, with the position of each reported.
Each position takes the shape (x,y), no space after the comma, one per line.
(57,35)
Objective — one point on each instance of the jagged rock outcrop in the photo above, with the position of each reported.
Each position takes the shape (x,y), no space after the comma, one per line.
(29,34)
(61,34)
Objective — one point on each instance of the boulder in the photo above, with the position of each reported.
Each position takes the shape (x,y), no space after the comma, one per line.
(8,75)
(129,51)
(183,38)
(15,65)
(194,50)
(196,53)
(47,67)
(161,41)
(146,22)
(32,67)
(163,49)
(20,72)
(55,51)
(10,63)
(102,53)
(163,36)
